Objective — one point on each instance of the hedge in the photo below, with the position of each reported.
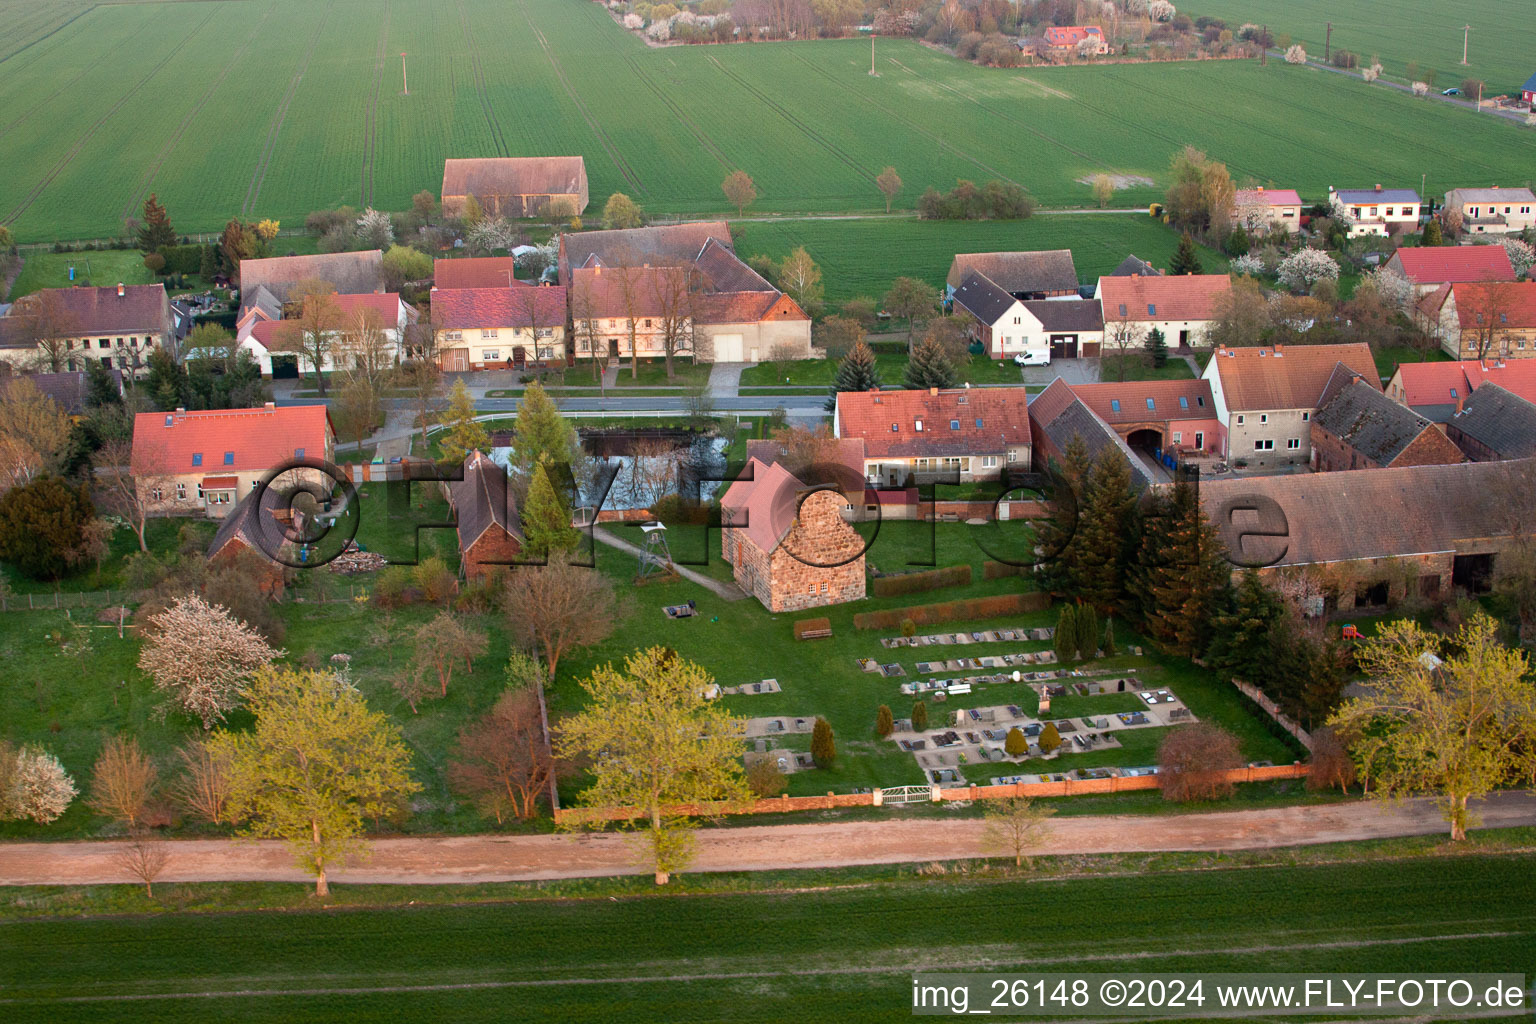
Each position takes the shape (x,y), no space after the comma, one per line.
(813,626)
(915,582)
(182,259)
(950,611)
(991,570)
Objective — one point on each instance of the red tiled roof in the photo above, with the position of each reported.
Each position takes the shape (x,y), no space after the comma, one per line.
(1515,306)
(1433,383)
(514,175)
(973,421)
(1272,196)
(477,272)
(1437,264)
(1133,396)
(458,308)
(165,442)
(220,483)
(600,292)
(744,307)
(386,305)
(768,499)
(141,307)
(1184,297)
(1071,35)
(1292,377)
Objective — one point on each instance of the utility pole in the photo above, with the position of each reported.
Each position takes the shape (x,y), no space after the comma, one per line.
(1264,46)
(404,82)
(872,72)
(1466,31)
(1328,44)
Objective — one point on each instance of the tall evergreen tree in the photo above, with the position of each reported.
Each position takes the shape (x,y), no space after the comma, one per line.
(1065,639)
(462,434)
(1157,347)
(540,432)
(1242,638)
(1105,532)
(1181,576)
(546,521)
(1056,533)
(167,381)
(1185,259)
(1087,633)
(856,372)
(156,231)
(928,367)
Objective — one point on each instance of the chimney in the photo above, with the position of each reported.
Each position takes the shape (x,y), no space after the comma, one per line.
(120,289)
(1460,401)
(933,391)
(1378,186)
(1261,190)
(271,406)
(181,410)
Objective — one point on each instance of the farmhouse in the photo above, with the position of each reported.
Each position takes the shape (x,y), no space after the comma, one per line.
(1429,268)
(917,436)
(1372,537)
(477,272)
(638,247)
(1182,307)
(1058,418)
(1061,42)
(1528,90)
(1265,397)
(485,516)
(62,329)
(1262,209)
(790,547)
(205,461)
(1503,211)
(1046,274)
(1494,424)
(516,187)
(1488,320)
(1377,211)
(1436,390)
(1155,416)
(368,329)
(998,322)
(350,273)
(486,328)
(1358,427)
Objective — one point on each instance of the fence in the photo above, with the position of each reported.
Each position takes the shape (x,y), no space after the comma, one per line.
(1272,709)
(61,601)
(936,794)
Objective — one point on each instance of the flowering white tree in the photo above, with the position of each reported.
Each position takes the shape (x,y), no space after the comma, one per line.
(203,657)
(659,31)
(1304,268)
(634,22)
(38,787)
(1249,265)
(1396,291)
(1421,88)
(488,235)
(1136,6)
(1521,255)
(374,227)
(1296,54)
(1161,10)
(1252,211)
(1339,213)
(1371,73)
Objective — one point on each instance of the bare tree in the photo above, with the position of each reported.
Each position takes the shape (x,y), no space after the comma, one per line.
(122,781)
(414,685)
(584,324)
(630,296)
(443,642)
(1015,827)
(1122,337)
(557,607)
(654,468)
(1331,763)
(739,190)
(143,860)
(48,326)
(202,789)
(503,760)
(889,183)
(311,326)
(133,481)
(363,346)
(1490,303)
(672,289)
(1194,762)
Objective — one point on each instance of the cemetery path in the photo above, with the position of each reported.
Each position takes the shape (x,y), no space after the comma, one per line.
(491,858)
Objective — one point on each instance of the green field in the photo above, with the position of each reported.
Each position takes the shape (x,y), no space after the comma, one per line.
(1417,30)
(277,108)
(846,954)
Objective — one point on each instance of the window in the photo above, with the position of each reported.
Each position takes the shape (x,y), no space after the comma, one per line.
(1122,309)
(823,587)
(1178,437)
(102,343)
(229,458)
(978,423)
(954,424)
(181,492)
(810,588)
(546,353)
(298,453)
(1200,401)
(157,493)
(201,494)
(197,458)
(454,335)
(1017,320)
(1151,309)
(1114,403)
(989,462)
(1013,456)
(918,425)
(1263,417)
(119,342)
(1264,446)
(1240,421)
(491,355)
(1305,416)
(546,332)
(1293,443)
(895,429)
(489,332)
(1152,404)
(1183,403)
(647,323)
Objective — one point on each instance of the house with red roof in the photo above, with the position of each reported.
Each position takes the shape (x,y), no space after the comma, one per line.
(1062,42)
(790,546)
(918,436)
(477,272)
(516,186)
(1429,267)
(1487,320)
(1180,306)
(1437,390)
(491,328)
(1157,416)
(1260,209)
(206,461)
(367,329)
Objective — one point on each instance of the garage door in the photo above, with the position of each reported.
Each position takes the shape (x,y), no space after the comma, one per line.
(727,348)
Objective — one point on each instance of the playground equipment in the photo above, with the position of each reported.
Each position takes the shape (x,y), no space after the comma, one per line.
(655,556)
(1349,633)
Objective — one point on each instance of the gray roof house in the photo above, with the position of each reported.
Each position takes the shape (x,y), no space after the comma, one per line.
(1493,425)
(1024,275)
(352,273)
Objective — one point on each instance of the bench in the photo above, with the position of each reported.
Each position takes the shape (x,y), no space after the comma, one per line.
(813,629)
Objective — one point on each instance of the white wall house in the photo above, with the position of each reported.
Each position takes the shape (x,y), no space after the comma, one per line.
(1378,211)
(1493,211)
(264,338)
(1003,325)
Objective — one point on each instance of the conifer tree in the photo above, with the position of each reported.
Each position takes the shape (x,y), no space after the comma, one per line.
(1065,639)
(1087,633)
(1056,533)
(928,367)
(1108,647)
(1181,575)
(1241,644)
(1432,233)
(1185,259)
(463,434)
(1105,531)
(885,722)
(156,231)
(1157,347)
(541,433)
(1049,739)
(856,372)
(823,746)
(919,716)
(546,521)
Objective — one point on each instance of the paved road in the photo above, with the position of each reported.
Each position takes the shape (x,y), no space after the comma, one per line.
(753,848)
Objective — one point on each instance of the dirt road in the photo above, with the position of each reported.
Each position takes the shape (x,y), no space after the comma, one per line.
(752,848)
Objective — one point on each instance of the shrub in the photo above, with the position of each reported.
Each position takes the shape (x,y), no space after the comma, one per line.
(1194,761)
(1344,59)
(154,263)
(38,786)
(823,746)
(391,587)
(765,779)
(908,628)
(885,722)
(919,716)
(1050,739)
(991,570)
(434,579)
(950,611)
(1065,640)
(916,582)
(1016,744)
(812,626)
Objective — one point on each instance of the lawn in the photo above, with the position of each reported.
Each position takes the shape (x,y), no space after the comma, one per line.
(105,267)
(1135,366)
(309,114)
(1388,359)
(161,535)
(846,955)
(889,365)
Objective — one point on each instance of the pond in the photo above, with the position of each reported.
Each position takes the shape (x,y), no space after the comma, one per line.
(645,465)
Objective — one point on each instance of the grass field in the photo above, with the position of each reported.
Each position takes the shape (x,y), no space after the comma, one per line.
(106,268)
(1418,30)
(847,954)
(276,109)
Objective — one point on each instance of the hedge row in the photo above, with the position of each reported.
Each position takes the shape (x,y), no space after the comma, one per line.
(991,570)
(950,611)
(916,582)
(817,627)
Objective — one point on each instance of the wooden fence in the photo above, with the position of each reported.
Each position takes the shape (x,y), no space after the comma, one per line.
(783,804)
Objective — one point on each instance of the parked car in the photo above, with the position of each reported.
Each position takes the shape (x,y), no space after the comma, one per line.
(1032,359)
(1451,92)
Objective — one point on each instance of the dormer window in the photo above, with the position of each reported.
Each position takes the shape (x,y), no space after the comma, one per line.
(1183,403)
(1151,309)
(1152,404)
(197,458)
